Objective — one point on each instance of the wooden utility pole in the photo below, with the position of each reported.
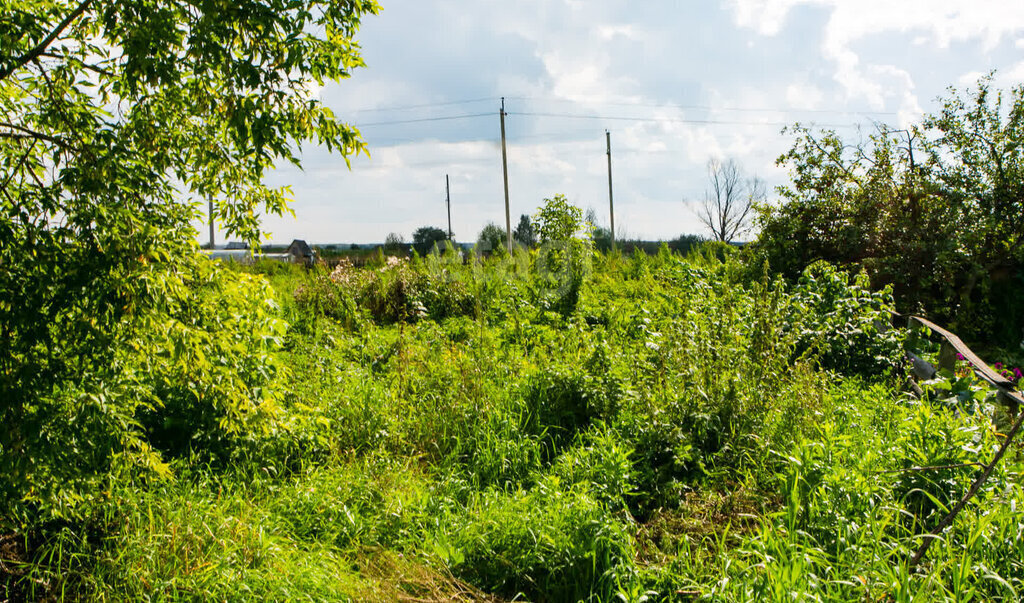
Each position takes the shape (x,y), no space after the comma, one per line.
(504,172)
(611,205)
(211,224)
(448,201)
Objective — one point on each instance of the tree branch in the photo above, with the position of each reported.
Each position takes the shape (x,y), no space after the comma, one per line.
(21,164)
(41,47)
(59,101)
(94,68)
(21,132)
(836,160)
(931,536)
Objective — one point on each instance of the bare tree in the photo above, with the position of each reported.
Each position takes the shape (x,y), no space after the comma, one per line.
(728,206)
(394,242)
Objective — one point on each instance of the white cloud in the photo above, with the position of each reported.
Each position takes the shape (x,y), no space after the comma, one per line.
(970,78)
(1014,76)
(802,95)
(728,68)
(607,32)
(933,22)
(576,78)
(944,20)
(764,16)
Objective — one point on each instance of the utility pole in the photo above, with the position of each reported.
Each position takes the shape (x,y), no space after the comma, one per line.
(611,205)
(504,172)
(448,201)
(211,224)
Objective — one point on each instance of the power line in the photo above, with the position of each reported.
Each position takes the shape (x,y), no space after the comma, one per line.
(702,107)
(778,124)
(424,119)
(432,163)
(620,104)
(426,105)
(571,135)
(601,117)
(563,136)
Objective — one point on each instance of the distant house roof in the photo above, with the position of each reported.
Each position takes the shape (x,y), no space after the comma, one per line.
(237,245)
(300,248)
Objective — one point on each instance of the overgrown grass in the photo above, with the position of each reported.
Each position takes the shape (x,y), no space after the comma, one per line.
(676,431)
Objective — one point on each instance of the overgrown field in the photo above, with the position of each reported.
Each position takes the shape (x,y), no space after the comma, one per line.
(552,425)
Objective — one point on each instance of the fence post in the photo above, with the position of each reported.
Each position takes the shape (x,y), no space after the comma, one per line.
(947,356)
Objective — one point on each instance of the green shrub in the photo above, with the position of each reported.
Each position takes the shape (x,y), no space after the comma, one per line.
(601,463)
(845,326)
(191,541)
(353,503)
(562,401)
(937,437)
(196,370)
(711,251)
(393,291)
(213,371)
(564,260)
(321,295)
(552,543)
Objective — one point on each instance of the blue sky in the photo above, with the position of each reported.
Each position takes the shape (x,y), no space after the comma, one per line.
(675,82)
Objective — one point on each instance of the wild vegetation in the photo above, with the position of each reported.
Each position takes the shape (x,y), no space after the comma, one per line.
(669,430)
(554,422)
(936,211)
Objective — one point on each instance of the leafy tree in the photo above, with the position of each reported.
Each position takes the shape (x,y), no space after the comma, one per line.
(728,206)
(119,120)
(978,159)
(566,249)
(937,211)
(425,237)
(524,232)
(558,220)
(685,242)
(491,237)
(864,205)
(845,202)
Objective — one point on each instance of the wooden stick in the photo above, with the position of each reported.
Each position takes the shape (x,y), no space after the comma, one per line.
(1005,387)
(931,468)
(931,536)
(980,366)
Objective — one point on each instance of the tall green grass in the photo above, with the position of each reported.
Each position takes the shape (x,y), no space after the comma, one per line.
(447,431)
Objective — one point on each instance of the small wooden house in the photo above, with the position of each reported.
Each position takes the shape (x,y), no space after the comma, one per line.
(300,252)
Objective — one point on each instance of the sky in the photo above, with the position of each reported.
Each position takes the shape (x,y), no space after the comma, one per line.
(676,83)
